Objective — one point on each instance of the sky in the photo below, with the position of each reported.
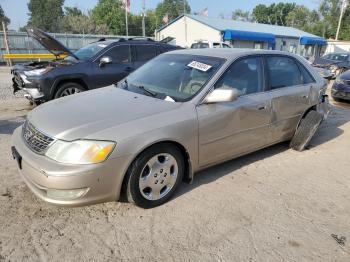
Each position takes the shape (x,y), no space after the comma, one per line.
(17,10)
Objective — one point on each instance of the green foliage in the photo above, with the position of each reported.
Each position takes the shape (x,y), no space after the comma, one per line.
(173,8)
(241,15)
(46,15)
(76,22)
(3,17)
(274,14)
(111,14)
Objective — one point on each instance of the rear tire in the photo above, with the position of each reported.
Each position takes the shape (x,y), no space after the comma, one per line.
(154,176)
(69,88)
(306,130)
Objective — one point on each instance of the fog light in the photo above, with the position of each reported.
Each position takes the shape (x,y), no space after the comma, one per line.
(66,194)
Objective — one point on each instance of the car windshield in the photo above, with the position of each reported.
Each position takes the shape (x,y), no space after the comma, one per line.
(87,52)
(336,57)
(179,77)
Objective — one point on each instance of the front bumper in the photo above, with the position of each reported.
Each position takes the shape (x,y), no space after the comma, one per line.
(98,182)
(31,86)
(340,91)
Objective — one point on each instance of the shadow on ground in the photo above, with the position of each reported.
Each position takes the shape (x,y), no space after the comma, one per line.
(328,131)
(9,125)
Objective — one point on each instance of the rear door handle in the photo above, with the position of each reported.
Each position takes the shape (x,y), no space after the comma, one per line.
(262,107)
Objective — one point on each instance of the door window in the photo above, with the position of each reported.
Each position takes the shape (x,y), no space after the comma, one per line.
(283,72)
(145,52)
(245,75)
(119,54)
(307,78)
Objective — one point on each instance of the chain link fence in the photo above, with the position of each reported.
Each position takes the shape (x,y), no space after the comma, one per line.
(21,43)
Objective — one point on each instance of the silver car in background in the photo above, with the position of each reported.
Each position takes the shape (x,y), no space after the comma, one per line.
(179,113)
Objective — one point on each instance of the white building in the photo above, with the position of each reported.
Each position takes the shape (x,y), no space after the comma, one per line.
(334,46)
(187,29)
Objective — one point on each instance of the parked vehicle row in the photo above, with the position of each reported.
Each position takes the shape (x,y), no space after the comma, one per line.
(336,63)
(96,65)
(180,112)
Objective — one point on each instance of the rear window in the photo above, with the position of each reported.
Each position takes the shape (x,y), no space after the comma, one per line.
(337,57)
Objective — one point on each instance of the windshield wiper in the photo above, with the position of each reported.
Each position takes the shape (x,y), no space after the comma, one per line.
(154,94)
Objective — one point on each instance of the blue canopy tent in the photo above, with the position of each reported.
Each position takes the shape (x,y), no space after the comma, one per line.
(248,36)
(306,40)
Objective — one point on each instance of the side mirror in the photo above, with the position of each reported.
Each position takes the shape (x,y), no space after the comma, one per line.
(221,95)
(105,60)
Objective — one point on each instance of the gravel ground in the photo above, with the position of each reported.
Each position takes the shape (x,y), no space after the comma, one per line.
(272,205)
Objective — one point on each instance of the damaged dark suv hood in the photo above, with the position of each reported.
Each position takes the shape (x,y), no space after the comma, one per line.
(51,44)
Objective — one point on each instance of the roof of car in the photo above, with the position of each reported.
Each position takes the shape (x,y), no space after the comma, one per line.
(225,52)
(136,41)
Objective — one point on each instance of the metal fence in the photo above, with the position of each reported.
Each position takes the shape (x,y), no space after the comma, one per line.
(21,43)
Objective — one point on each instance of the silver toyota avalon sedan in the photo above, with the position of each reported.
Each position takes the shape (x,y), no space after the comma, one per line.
(181,112)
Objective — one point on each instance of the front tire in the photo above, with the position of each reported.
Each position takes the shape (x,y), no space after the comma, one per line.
(69,88)
(155,175)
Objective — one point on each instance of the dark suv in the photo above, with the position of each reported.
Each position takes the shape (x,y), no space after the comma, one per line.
(98,64)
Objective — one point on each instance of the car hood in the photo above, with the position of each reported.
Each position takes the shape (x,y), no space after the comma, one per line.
(321,62)
(345,75)
(78,116)
(51,44)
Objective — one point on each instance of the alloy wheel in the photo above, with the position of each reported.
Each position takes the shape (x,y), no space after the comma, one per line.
(158,176)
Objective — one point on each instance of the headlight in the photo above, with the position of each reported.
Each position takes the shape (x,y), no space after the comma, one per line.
(37,72)
(80,151)
(333,68)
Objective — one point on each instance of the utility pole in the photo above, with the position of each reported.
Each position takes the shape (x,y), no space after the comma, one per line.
(9,62)
(343,7)
(143,18)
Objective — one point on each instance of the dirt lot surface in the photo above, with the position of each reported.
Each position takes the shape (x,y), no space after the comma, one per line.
(272,205)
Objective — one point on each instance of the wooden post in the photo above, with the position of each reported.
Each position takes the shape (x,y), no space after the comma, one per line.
(9,62)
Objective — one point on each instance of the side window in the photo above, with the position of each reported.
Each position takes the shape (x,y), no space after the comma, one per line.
(119,54)
(225,46)
(145,52)
(283,72)
(203,45)
(216,45)
(245,75)
(307,78)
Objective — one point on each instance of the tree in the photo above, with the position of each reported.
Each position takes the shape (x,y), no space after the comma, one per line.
(46,15)
(241,15)
(3,17)
(274,14)
(76,22)
(111,14)
(173,8)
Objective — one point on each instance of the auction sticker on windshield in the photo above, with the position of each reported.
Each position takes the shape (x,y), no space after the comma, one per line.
(200,66)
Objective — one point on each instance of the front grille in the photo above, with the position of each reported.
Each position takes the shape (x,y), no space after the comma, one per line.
(36,140)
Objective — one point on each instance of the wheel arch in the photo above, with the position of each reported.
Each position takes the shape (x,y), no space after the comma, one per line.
(59,82)
(314,107)
(188,176)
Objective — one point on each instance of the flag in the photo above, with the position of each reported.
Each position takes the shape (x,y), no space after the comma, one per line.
(204,12)
(166,18)
(126,5)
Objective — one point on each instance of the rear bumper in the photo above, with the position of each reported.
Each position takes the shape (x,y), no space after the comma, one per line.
(324,107)
(47,178)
